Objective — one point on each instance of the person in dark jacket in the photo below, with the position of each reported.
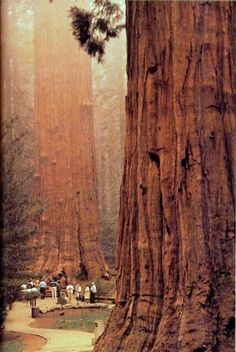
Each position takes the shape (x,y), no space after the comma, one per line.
(93,291)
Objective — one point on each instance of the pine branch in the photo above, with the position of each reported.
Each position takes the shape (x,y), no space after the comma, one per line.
(96,27)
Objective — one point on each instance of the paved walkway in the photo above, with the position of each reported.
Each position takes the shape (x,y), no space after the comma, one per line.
(19,318)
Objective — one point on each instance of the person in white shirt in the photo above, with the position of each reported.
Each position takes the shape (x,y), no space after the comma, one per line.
(70,291)
(77,293)
(53,285)
(93,291)
(78,288)
(42,288)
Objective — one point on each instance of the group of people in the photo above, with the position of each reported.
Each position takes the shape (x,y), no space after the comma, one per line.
(38,288)
(32,290)
(88,296)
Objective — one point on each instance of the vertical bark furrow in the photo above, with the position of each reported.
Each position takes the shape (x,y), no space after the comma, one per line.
(183,182)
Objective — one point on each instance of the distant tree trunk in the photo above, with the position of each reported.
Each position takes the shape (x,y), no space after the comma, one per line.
(17,74)
(8,61)
(109,117)
(65,168)
(175,257)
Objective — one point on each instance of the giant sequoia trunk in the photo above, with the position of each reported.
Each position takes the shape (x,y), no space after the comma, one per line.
(175,255)
(65,169)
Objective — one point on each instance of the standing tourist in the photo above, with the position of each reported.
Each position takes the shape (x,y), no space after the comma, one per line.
(93,291)
(77,292)
(42,288)
(87,294)
(58,290)
(70,290)
(53,285)
(78,288)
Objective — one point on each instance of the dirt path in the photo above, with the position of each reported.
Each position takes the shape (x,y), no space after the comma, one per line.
(19,318)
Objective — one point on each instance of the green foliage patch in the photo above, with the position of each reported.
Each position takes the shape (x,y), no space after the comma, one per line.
(18,217)
(79,319)
(11,343)
(10,346)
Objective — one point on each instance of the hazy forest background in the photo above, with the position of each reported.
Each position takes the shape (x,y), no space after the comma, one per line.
(109,84)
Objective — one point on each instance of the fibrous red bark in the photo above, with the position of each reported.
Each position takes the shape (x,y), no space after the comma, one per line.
(65,168)
(175,257)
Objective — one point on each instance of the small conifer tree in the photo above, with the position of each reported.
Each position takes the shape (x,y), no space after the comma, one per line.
(18,217)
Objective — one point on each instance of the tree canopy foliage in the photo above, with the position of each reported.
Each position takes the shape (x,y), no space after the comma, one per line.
(93,28)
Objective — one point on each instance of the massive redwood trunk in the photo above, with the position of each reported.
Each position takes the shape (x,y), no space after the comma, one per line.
(175,257)
(65,168)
